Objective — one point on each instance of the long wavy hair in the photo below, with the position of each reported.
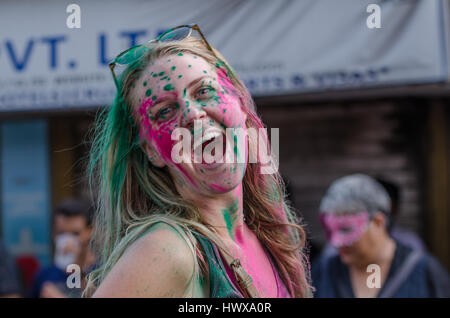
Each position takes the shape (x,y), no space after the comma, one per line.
(132,194)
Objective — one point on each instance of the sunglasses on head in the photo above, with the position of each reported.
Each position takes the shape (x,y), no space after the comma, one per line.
(178,33)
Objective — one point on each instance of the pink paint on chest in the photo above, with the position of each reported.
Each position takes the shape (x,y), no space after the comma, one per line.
(260,267)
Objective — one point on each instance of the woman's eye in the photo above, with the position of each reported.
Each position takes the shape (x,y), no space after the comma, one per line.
(204,92)
(165,112)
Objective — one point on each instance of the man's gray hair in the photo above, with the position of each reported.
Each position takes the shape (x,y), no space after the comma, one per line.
(356,193)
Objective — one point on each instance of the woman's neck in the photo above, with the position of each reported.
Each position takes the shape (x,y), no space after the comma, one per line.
(224,212)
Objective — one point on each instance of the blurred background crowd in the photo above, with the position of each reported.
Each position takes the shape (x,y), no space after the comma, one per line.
(356,91)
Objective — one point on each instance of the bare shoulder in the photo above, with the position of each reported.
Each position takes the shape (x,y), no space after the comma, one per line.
(159,264)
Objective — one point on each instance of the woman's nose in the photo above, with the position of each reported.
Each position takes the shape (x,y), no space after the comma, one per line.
(191,113)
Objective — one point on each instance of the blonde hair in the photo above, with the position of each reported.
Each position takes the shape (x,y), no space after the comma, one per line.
(133,194)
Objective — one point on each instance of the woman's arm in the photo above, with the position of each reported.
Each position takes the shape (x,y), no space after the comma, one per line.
(159,264)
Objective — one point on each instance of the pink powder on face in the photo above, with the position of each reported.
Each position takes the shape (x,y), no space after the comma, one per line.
(230,105)
(161,136)
(231,117)
(344,229)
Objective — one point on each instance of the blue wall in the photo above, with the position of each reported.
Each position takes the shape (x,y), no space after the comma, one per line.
(25,188)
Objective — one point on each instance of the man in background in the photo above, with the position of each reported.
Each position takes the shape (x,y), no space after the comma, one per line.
(355,213)
(72,230)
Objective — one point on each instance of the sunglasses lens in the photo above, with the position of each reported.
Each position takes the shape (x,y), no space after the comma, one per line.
(132,55)
(176,35)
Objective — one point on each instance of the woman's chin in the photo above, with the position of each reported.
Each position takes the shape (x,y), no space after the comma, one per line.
(218,188)
(222,182)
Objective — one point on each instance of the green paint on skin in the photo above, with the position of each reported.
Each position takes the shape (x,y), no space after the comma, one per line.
(145,83)
(180,54)
(184,93)
(169,87)
(180,76)
(230,215)
(173,68)
(205,72)
(154,75)
(148,92)
(161,74)
(154,97)
(187,103)
(189,65)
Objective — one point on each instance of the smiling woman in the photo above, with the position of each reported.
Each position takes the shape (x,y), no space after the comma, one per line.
(168,228)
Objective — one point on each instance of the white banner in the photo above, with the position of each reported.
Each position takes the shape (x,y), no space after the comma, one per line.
(277,47)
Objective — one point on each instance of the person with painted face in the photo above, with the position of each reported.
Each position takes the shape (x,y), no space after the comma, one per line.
(191,227)
(72,230)
(355,213)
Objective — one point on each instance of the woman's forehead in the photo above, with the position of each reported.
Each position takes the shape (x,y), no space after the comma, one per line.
(171,71)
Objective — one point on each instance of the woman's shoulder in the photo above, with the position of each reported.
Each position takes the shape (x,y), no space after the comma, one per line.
(160,263)
(168,240)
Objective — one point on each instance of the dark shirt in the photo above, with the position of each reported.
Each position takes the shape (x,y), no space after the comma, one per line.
(331,279)
(56,276)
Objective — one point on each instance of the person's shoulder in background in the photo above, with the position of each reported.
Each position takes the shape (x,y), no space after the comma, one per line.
(407,238)
(50,273)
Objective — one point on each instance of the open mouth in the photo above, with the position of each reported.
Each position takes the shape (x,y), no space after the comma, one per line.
(211,137)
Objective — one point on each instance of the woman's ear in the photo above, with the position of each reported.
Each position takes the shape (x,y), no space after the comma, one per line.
(153,156)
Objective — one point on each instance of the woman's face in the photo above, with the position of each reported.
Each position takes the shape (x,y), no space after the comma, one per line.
(183,91)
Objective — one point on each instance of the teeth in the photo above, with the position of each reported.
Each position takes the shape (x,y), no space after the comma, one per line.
(211,134)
